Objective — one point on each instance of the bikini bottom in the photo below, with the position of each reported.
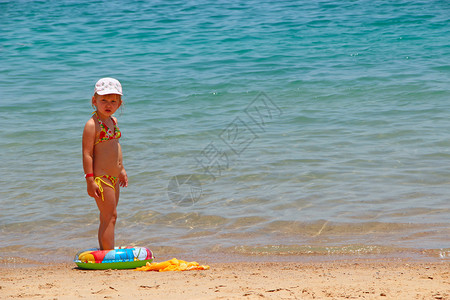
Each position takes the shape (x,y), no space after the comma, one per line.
(99,181)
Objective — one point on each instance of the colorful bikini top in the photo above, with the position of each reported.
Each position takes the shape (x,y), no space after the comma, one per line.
(107,134)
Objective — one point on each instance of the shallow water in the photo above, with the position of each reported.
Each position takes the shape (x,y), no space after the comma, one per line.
(246,126)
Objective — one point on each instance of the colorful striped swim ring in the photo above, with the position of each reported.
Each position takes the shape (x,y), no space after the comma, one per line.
(119,258)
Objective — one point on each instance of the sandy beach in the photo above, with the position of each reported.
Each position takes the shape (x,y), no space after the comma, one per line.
(341,279)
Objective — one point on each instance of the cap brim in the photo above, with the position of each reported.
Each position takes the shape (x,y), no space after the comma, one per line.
(106,92)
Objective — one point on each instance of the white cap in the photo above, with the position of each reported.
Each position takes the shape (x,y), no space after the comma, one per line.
(108,86)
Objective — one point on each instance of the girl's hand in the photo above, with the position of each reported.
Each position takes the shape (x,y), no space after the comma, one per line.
(123,178)
(93,190)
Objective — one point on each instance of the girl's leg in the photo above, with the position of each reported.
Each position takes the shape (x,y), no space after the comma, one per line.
(117,193)
(108,217)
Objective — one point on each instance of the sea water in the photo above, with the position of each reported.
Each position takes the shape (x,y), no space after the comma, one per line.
(249,127)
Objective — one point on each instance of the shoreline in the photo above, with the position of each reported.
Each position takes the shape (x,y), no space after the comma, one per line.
(265,253)
(368,278)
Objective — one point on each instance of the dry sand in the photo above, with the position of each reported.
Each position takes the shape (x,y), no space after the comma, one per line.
(356,279)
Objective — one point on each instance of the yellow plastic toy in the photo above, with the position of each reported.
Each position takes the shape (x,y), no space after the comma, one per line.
(173,265)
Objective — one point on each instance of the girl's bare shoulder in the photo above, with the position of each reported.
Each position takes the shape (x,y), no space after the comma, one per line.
(90,125)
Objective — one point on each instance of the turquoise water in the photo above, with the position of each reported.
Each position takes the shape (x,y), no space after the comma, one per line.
(257,127)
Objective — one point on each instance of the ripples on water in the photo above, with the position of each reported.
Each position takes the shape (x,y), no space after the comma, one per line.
(355,151)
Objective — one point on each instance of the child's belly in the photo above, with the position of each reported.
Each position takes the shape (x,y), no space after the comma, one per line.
(106,159)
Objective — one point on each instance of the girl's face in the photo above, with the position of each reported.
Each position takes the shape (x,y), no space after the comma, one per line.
(106,104)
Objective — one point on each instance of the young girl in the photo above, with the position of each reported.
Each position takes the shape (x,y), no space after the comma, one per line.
(102,157)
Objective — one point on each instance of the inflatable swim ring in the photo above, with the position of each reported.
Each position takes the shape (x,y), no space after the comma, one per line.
(119,258)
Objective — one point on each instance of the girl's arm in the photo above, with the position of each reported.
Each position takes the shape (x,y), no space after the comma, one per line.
(88,157)
(123,178)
